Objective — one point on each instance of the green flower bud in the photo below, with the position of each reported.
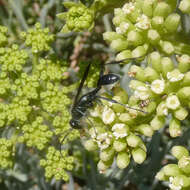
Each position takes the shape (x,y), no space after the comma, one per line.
(167,47)
(167,65)
(179,152)
(107,154)
(139,155)
(181,113)
(172,22)
(153,36)
(102,166)
(186,79)
(133,140)
(90,145)
(120,145)
(184,6)
(138,72)
(171,170)
(184,164)
(123,160)
(183,63)
(126,118)
(184,93)
(175,128)
(147,7)
(119,45)
(150,74)
(145,129)
(139,51)
(134,38)
(155,59)
(124,55)
(158,23)
(162,9)
(110,36)
(160,175)
(157,122)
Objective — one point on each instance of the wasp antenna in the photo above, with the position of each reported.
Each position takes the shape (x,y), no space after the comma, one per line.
(120,61)
(69,131)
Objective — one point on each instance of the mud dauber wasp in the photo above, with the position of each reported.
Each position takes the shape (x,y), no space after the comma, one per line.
(82,104)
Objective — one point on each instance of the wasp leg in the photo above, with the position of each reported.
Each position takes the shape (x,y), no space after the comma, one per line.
(115,102)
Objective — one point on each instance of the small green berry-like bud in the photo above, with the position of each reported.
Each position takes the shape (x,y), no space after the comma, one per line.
(155,60)
(147,7)
(167,47)
(102,166)
(184,93)
(175,128)
(126,118)
(90,145)
(184,164)
(124,55)
(110,36)
(160,175)
(167,65)
(181,113)
(184,6)
(119,45)
(157,23)
(139,51)
(153,36)
(179,152)
(162,9)
(172,22)
(123,160)
(139,155)
(134,38)
(120,145)
(183,63)
(138,72)
(133,140)
(150,74)
(107,154)
(157,122)
(171,170)
(145,129)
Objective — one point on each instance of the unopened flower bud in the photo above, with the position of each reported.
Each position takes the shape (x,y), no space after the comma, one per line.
(139,155)
(179,152)
(123,160)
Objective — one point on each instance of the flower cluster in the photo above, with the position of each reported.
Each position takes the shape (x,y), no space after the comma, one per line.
(38,38)
(6,153)
(57,164)
(167,85)
(143,25)
(33,100)
(116,132)
(178,175)
(36,134)
(78,18)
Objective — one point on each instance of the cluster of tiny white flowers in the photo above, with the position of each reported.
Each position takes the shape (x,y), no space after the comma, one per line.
(158,86)
(128,8)
(143,22)
(123,27)
(119,130)
(175,76)
(172,102)
(141,93)
(108,115)
(174,187)
(104,140)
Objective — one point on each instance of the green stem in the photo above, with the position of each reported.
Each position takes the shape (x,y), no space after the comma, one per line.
(35,61)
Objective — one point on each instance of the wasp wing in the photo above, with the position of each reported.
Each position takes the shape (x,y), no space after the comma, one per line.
(81,84)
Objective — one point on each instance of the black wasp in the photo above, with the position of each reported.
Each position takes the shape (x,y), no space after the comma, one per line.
(82,104)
